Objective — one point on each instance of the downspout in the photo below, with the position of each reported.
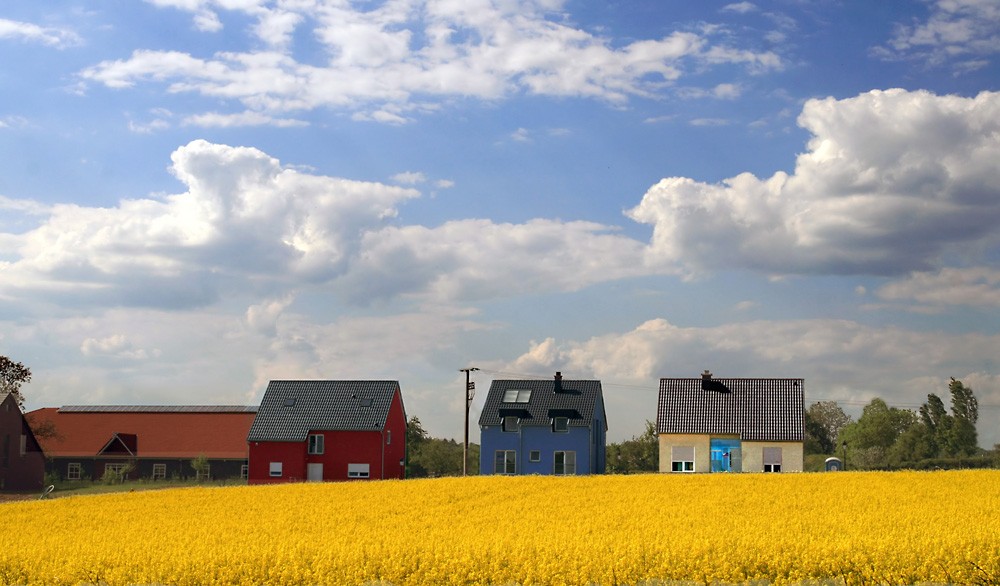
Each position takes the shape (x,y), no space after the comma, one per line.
(382,434)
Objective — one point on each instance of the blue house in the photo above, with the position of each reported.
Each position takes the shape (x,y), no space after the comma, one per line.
(543,427)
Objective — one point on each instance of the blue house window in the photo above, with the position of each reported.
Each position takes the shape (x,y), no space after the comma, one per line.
(565,463)
(535,456)
(505,462)
(560,424)
(511,423)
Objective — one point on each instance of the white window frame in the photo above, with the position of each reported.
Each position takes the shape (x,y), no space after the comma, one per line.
(205,474)
(534,455)
(511,424)
(275,469)
(682,459)
(159,472)
(74,471)
(359,470)
(317,444)
(567,467)
(772,459)
(508,463)
(245,471)
(560,424)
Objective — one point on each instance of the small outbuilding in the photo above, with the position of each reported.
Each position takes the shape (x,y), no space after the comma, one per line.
(322,430)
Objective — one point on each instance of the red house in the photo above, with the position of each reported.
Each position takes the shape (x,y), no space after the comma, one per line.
(22,465)
(323,430)
(152,442)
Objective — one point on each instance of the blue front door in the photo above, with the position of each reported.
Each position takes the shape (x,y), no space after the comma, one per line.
(726,455)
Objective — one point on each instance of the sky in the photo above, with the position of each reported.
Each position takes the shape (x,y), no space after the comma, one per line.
(200,196)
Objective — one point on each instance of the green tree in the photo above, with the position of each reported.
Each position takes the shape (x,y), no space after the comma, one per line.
(12,376)
(639,454)
(962,439)
(870,438)
(823,422)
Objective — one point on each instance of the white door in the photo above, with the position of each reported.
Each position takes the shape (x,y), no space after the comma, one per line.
(314,472)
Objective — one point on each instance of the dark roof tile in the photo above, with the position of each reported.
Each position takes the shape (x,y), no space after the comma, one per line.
(756,409)
(291,409)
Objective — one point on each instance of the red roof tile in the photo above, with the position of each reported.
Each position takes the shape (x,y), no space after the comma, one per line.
(159,434)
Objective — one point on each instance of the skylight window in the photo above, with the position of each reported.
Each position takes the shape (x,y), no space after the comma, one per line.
(366,402)
(517,395)
(290,402)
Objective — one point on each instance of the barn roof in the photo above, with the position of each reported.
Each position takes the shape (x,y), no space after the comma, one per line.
(291,409)
(576,400)
(217,431)
(756,409)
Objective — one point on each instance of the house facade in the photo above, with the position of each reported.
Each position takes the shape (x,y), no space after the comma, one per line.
(327,430)
(149,442)
(707,424)
(550,427)
(22,465)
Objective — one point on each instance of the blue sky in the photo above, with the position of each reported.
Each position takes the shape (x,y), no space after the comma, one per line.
(198,196)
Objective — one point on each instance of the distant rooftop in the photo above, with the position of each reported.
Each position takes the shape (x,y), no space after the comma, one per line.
(158,409)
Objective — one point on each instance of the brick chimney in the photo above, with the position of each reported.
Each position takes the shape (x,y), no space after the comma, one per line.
(557,386)
(707,375)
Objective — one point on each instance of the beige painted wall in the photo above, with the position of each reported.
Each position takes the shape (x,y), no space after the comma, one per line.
(791,456)
(752,453)
(702,457)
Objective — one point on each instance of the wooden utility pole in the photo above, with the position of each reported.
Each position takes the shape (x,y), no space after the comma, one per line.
(470,392)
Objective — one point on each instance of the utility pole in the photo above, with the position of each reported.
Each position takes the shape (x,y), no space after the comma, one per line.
(470,392)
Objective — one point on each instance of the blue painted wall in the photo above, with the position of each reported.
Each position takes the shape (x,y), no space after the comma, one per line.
(587,442)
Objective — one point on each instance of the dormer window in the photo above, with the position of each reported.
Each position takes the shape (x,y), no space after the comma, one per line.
(511,424)
(560,424)
(517,395)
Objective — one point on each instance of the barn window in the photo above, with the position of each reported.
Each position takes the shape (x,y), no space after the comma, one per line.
(315,443)
(73,471)
(560,424)
(505,462)
(203,473)
(535,456)
(565,463)
(276,469)
(682,459)
(511,423)
(24,444)
(159,471)
(772,459)
(357,470)
(245,471)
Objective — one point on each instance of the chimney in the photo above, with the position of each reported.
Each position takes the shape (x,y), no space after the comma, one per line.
(558,383)
(707,375)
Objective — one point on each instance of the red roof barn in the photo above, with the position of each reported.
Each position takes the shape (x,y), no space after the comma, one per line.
(158,442)
(328,430)
(22,465)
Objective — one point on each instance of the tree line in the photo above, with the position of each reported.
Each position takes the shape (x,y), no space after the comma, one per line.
(885,437)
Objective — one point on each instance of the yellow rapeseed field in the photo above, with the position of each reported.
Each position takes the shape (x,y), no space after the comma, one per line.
(853,528)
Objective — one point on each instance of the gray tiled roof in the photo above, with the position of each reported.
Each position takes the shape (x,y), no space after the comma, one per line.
(291,409)
(580,396)
(757,409)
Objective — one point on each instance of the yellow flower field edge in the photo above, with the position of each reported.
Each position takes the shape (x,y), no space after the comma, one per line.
(848,528)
